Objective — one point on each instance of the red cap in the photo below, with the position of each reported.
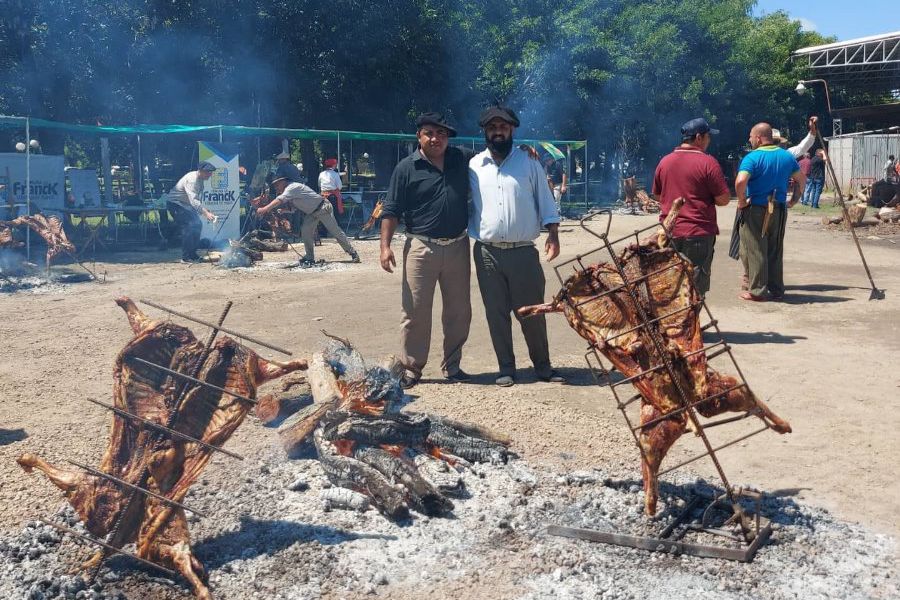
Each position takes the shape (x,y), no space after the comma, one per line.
(330,162)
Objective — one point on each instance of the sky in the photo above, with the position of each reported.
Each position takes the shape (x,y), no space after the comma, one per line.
(843,19)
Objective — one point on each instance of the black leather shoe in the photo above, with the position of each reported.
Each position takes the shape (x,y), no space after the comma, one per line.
(459,377)
(408,381)
(554,377)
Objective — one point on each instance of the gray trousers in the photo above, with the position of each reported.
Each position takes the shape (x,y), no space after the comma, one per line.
(699,250)
(763,256)
(325,216)
(510,279)
(425,266)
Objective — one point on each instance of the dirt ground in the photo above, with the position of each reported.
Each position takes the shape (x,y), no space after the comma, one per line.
(825,359)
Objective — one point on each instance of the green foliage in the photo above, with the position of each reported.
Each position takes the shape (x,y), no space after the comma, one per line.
(597,69)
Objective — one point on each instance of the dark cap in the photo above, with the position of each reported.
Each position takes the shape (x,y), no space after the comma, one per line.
(206,166)
(435,118)
(697,127)
(502,112)
(285,172)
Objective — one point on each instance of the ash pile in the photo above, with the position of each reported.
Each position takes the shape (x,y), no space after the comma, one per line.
(248,250)
(269,536)
(20,275)
(17,274)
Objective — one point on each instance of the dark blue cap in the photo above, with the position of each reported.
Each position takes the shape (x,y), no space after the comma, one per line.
(206,166)
(697,127)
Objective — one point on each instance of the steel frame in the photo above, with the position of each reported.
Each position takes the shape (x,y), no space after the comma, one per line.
(750,529)
(108,546)
(873,61)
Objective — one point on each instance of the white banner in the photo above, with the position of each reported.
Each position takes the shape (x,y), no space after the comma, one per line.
(48,188)
(221,193)
(85,188)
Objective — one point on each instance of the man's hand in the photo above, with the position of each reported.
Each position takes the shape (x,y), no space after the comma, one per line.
(532,153)
(210,216)
(813,125)
(563,189)
(262,210)
(551,248)
(387,259)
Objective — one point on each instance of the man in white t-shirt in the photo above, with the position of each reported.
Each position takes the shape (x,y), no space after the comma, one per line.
(330,184)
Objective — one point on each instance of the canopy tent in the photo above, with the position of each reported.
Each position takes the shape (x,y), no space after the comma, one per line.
(241,130)
(236,132)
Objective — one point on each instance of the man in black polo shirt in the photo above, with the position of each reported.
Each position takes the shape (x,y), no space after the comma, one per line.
(429,190)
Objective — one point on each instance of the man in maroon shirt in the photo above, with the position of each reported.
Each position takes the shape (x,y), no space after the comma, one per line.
(689,172)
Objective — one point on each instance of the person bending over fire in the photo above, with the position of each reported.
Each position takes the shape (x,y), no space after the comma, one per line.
(185,207)
(315,210)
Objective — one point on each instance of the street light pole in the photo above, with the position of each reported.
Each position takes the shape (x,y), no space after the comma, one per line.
(875,294)
(801,89)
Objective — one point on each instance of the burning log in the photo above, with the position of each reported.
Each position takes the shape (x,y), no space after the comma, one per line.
(635,195)
(262,241)
(364,443)
(354,474)
(597,304)
(135,494)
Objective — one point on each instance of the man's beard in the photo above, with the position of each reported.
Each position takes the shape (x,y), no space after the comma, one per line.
(500,148)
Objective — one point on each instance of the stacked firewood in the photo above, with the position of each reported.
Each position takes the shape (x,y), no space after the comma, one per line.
(396,460)
(636,196)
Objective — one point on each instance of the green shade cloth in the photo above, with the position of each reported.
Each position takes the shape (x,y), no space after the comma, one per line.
(240,131)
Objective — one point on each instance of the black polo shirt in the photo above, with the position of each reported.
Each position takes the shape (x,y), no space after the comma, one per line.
(430,202)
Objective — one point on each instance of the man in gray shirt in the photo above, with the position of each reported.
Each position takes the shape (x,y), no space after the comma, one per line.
(184,204)
(315,210)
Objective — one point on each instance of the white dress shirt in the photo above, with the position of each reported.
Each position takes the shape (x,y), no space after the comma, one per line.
(510,201)
(329,181)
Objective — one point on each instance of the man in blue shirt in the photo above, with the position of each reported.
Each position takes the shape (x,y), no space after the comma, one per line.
(761,187)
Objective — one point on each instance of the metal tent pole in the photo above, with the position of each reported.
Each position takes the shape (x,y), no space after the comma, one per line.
(349,162)
(140,170)
(220,134)
(569,171)
(28,185)
(586,173)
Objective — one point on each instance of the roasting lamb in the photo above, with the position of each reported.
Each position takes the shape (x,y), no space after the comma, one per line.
(50,229)
(598,306)
(164,465)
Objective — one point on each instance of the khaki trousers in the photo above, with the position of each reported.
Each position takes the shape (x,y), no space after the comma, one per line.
(325,216)
(510,279)
(426,265)
(763,257)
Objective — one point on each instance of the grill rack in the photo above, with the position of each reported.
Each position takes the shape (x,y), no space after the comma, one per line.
(749,530)
(109,545)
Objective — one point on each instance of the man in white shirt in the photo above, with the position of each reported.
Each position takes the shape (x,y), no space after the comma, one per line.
(184,203)
(315,210)
(510,203)
(330,184)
